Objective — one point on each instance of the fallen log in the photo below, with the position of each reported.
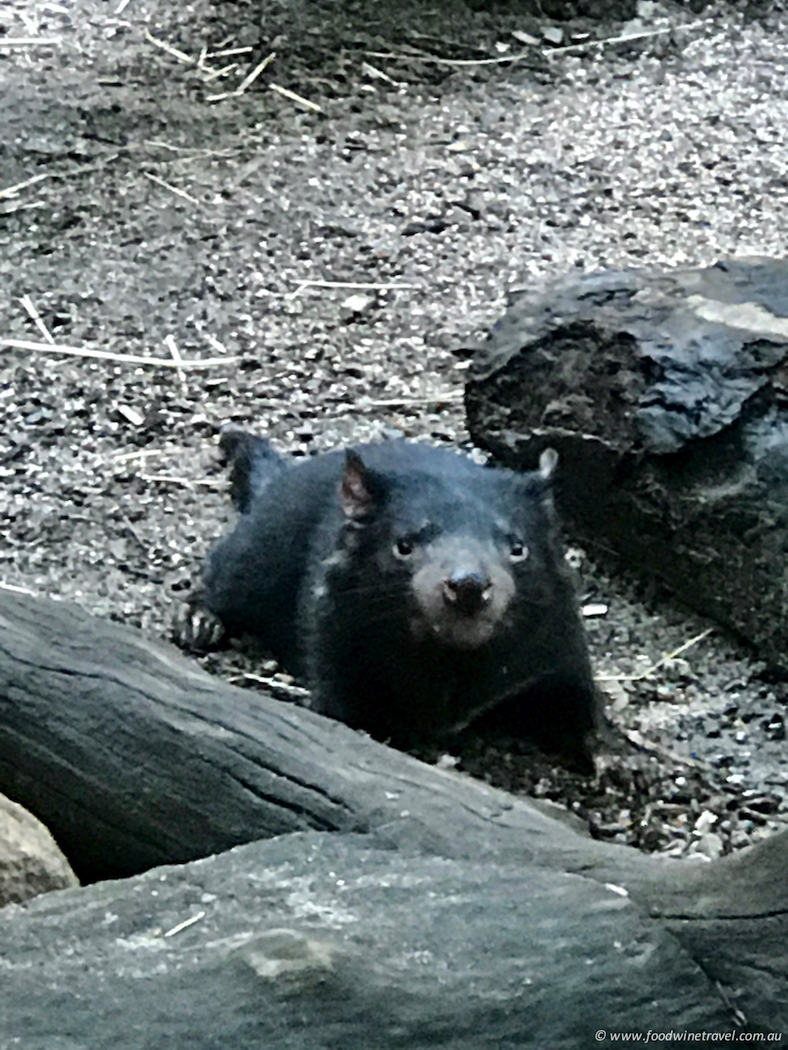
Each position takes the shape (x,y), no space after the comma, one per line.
(392,904)
(664,393)
(132,756)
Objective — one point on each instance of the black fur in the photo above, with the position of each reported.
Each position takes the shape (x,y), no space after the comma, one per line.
(412,589)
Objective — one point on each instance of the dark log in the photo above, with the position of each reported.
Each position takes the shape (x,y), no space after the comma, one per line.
(438,912)
(132,756)
(664,393)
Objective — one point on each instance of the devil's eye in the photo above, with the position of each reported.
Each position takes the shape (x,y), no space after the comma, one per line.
(518,550)
(404,547)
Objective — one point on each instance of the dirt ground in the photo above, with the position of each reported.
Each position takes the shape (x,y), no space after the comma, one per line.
(310,245)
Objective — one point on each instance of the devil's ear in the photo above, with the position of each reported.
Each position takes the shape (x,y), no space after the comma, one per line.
(548,463)
(361,489)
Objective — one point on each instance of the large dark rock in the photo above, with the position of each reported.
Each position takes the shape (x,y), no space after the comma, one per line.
(665,393)
(320,941)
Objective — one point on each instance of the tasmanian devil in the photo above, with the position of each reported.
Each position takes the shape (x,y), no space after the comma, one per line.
(410,588)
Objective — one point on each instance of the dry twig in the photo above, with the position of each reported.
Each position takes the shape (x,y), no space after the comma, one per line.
(624,39)
(246,82)
(172,346)
(228,51)
(410,402)
(185,924)
(13,191)
(28,41)
(180,55)
(170,187)
(28,304)
(348,284)
(275,685)
(187,483)
(122,457)
(215,74)
(251,77)
(460,62)
(287,93)
(654,667)
(106,355)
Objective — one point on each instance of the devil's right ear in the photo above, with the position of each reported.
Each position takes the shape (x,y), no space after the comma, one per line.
(548,463)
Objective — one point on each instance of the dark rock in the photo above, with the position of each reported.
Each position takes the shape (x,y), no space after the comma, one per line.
(665,393)
(310,941)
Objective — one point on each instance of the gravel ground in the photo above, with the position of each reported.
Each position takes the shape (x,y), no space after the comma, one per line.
(314,273)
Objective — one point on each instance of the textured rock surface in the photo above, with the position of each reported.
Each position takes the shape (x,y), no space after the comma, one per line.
(30,861)
(665,391)
(312,941)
